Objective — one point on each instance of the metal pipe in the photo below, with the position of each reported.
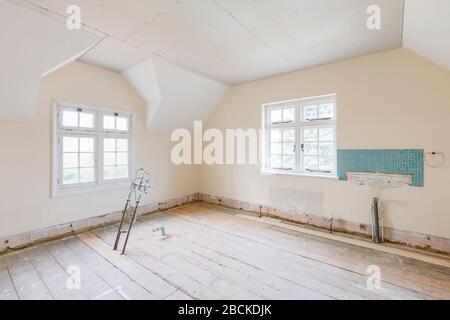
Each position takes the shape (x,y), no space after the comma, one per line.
(376,221)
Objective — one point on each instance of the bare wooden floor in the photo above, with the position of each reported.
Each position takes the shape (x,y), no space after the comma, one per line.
(213,255)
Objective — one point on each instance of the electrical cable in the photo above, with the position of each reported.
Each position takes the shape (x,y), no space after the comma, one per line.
(441,164)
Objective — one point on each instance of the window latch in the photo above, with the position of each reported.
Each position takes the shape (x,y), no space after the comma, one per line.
(302,146)
(283,169)
(282,122)
(318,171)
(319,119)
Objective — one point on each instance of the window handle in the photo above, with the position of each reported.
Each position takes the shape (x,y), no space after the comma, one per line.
(282,122)
(302,146)
(318,171)
(319,119)
(283,169)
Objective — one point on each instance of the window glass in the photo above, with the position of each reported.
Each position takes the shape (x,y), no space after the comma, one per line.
(109,122)
(326,110)
(78,160)
(318,148)
(70,118)
(289,115)
(276,116)
(73,118)
(121,124)
(115,122)
(282,149)
(115,158)
(311,112)
(86,120)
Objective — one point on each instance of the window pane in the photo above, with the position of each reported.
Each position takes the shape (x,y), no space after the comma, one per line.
(86,160)
(70,160)
(70,176)
(109,122)
(275,161)
(122,145)
(289,135)
(109,159)
(86,144)
(70,144)
(311,163)
(122,159)
(310,134)
(326,163)
(86,120)
(122,123)
(87,175)
(275,116)
(122,172)
(109,145)
(311,112)
(70,118)
(289,114)
(109,173)
(326,134)
(288,148)
(288,162)
(275,135)
(275,148)
(311,149)
(326,110)
(326,149)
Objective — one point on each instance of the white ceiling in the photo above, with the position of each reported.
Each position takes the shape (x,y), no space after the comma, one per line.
(32,45)
(427,29)
(171,51)
(234,41)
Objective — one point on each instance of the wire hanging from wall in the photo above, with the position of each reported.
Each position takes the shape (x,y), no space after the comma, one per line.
(439,163)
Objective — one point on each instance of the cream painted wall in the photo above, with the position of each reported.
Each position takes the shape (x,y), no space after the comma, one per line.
(393,99)
(25,169)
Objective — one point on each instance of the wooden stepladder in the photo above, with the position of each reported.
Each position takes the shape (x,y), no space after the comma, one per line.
(139,186)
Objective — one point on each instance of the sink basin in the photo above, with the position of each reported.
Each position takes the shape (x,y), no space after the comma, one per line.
(380,180)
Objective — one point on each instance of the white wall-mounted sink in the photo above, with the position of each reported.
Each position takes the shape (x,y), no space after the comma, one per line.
(380,180)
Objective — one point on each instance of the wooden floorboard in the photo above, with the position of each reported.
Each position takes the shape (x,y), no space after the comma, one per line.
(53,275)
(27,281)
(92,285)
(404,272)
(125,286)
(268,260)
(7,290)
(214,254)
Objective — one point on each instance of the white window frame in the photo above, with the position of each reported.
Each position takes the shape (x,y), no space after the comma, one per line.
(98,133)
(299,124)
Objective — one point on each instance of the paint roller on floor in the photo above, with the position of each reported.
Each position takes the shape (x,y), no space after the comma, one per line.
(139,187)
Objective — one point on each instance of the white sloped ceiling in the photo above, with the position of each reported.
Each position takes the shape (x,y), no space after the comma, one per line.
(236,41)
(32,45)
(175,97)
(427,29)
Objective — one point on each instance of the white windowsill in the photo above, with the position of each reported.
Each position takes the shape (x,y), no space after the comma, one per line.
(91,189)
(299,174)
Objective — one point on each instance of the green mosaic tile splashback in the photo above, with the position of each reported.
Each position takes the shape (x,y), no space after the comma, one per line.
(400,161)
